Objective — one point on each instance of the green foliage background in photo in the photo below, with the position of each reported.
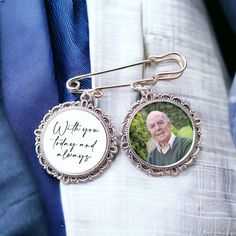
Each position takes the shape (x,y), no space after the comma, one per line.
(140,138)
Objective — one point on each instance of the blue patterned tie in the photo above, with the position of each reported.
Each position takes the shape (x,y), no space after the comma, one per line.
(68,23)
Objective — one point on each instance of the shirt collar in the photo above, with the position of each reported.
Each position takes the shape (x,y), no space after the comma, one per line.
(168,145)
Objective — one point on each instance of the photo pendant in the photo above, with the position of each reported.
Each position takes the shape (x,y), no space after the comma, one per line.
(75,141)
(161,134)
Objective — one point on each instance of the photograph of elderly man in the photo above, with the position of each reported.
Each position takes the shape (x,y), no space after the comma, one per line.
(169,148)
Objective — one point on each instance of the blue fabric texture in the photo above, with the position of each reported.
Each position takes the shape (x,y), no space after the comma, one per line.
(29,90)
(30,84)
(229,8)
(68,23)
(20,207)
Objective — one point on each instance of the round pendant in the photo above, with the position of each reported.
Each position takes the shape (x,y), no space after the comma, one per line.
(161,134)
(75,142)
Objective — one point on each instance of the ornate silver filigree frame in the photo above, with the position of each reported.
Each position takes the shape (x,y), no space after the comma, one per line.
(154,170)
(111,148)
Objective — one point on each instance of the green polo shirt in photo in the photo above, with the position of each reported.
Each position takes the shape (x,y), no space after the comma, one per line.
(178,150)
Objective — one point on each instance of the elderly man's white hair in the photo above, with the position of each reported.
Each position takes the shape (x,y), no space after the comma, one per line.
(155,113)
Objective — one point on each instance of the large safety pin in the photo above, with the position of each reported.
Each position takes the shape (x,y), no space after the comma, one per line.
(73,84)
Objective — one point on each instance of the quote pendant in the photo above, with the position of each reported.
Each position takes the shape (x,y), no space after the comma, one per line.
(161,134)
(75,141)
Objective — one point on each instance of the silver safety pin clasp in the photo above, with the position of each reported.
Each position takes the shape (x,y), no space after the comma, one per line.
(73,84)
